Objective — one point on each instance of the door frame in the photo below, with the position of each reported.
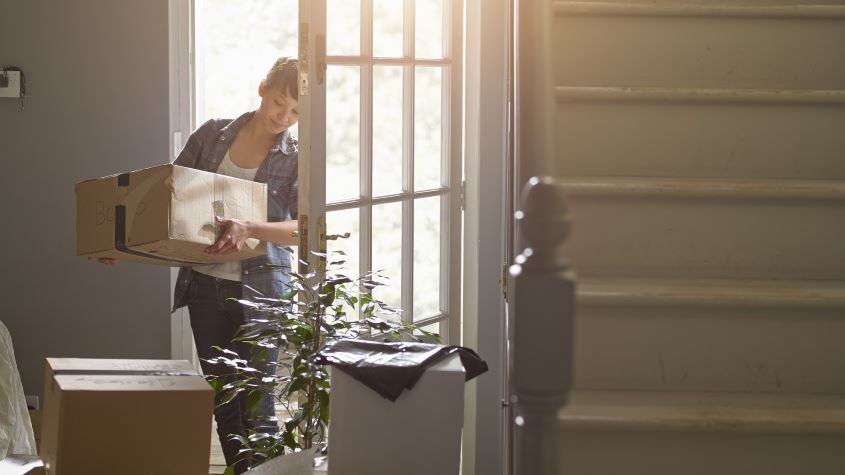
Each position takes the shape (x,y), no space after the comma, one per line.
(487,224)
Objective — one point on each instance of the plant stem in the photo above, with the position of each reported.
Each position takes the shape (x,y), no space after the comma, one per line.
(311,397)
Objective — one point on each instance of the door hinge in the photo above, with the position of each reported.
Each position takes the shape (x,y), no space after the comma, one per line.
(303,59)
(322,244)
(303,244)
(463,195)
(321,59)
(505,273)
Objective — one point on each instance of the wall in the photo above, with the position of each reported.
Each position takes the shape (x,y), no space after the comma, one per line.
(97,84)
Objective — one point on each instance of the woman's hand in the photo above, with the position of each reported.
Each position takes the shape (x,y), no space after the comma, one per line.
(232,239)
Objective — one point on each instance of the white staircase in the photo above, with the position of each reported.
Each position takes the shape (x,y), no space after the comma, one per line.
(702,146)
(691,433)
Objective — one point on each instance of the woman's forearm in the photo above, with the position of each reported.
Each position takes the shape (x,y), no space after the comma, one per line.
(282,232)
(237,231)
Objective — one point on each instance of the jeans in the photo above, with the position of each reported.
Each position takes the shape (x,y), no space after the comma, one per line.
(214,322)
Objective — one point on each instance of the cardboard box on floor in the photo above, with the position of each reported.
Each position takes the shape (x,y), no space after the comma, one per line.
(125,416)
(164,215)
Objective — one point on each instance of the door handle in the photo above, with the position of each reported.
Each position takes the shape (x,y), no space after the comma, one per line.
(335,237)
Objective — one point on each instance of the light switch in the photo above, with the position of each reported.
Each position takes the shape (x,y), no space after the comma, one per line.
(13,85)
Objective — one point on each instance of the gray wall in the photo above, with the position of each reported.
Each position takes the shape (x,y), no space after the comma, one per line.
(97,84)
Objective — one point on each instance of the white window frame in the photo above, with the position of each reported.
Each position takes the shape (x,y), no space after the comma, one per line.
(487,226)
(313,162)
(182,119)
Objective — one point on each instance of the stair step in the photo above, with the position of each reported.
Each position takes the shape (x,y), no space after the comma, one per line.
(692,188)
(711,292)
(710,335)
(707,46)
(704,139)
(660,433)
(701,229)
(674,10)
(698,95)
(696,411)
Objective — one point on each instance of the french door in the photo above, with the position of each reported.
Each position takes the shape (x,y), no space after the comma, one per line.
(380,148)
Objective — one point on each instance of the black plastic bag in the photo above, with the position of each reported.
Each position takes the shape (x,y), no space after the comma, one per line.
(389,368)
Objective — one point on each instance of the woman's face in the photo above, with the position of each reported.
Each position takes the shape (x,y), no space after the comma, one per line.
(278,111)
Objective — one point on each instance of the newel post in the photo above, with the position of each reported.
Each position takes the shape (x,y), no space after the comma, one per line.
(544,298)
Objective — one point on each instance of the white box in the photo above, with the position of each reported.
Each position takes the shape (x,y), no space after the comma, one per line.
(419,434)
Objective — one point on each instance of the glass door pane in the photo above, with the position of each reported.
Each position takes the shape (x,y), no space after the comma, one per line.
(387,28)
(343,27)
(428,132)
(343,132)
(429,28)
(387,251)
(387,130)
(426,257)
(341,222)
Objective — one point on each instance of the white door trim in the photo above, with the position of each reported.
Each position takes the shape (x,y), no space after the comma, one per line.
(180,57)
(486,229)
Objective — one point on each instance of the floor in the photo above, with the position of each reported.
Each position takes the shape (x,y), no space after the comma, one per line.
(216,463)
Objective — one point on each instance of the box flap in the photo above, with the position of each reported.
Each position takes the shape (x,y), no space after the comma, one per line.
(134,382)
(199,196)
(94,365)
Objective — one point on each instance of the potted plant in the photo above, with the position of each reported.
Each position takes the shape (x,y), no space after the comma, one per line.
(320,308)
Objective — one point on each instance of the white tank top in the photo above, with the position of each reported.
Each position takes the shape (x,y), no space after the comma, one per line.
(228,270)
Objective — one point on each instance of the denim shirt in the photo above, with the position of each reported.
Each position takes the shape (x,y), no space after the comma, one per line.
(205,150)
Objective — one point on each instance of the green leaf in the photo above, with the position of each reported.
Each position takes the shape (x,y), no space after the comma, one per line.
(297,385)
(337,280)
(289,440)
(327,298)
(253,399)
(323,403)
(293,422)
(216,384)
(227,398)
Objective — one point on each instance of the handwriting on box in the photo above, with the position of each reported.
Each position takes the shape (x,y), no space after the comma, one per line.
(103,214)
(127,382)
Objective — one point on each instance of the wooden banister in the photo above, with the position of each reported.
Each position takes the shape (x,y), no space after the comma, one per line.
(542,349)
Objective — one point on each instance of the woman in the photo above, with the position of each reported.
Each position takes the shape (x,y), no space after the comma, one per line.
(255,146)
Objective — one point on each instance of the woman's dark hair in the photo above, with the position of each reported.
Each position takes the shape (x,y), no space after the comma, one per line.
(284,77)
